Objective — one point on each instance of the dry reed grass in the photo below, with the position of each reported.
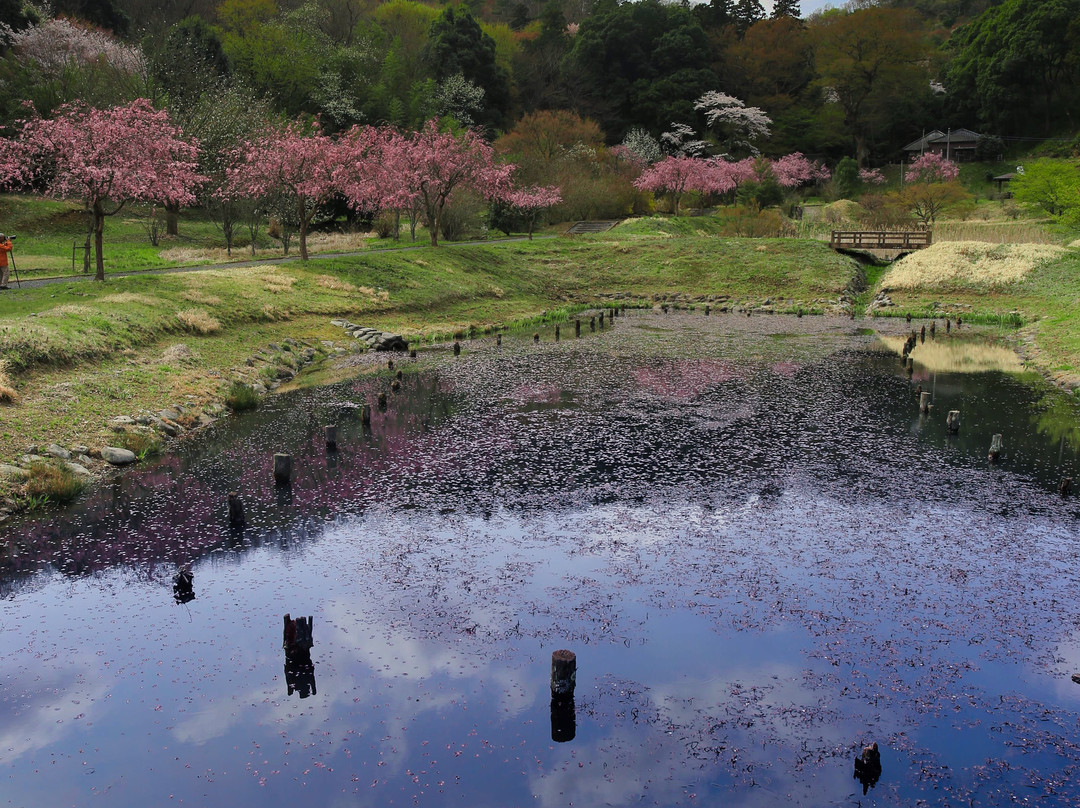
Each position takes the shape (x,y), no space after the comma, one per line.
(317,243)
(963,263)
(68,309)
(198,321)
(958,356)
(7,391)
(335,284)
(176,353)
(195,296)
(995,232)
(129,298)
(276,282)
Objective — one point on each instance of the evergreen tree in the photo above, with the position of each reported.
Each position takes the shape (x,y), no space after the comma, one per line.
(786,8)
(746,13)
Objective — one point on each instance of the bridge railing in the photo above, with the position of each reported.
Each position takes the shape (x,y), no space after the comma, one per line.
(881,239)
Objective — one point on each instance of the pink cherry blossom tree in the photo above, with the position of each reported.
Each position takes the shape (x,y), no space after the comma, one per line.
(931,167)
(434,164)
(673,176)
(105,157)
(794,170)
(289,165)
(528,202)
(871,176)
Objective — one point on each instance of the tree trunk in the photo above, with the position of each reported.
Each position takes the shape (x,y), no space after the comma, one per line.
(304,220)
(172,219)
(397,224)
(99,228)
(433,223)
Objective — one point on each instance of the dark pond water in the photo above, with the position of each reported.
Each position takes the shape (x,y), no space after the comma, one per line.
(762,554)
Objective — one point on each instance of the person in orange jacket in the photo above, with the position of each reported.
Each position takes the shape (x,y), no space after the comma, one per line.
(5,249)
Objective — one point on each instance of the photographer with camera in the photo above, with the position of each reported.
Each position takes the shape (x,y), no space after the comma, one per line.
(5,251)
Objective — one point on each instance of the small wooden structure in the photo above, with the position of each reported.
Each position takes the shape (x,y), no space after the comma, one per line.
(903,240)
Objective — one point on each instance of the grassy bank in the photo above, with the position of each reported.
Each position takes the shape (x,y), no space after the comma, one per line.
(78,353)
(1034,286)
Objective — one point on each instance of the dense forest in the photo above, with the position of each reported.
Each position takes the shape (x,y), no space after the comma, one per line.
(858,81)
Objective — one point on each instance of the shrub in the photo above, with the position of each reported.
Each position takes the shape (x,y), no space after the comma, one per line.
(198,321)
(241,397)
(53,483)
(384,225)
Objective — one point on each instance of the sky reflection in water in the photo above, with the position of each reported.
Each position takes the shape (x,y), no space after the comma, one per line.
(760,551)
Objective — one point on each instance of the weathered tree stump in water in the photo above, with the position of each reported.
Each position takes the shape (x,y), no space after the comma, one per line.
(933,328)
(952,421)
(395,386)
(184,585)
(536,336)
(365,414)
(707,310)
(922,334)
(910,366)
(457,348)
(924,402)
(399,375)
(948,326)
(577,328)
(592,323)
(412,354)
(1065,486)
(236,509)
(389,364)
(498,341)
(868,767)
(563,674)
(331,437)
(382,401)
(297,641)
(282,468)
(909,318)
(556,333)
(995,448)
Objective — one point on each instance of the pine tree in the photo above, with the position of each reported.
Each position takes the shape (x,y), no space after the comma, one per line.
(786,8)
(746,13)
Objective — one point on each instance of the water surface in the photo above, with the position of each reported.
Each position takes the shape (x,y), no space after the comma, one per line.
(762,554)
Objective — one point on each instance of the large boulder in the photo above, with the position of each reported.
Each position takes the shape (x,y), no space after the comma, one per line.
(116,456)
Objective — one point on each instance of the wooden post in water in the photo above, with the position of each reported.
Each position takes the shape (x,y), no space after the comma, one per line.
(282,468)
(922,334)
(708,309)
(1065,486)
(910,365)
(331,437)
(399,375)
(457,348)
(948,326)
(924,402)
(389,364)
(601,321)
(365,414)
(412,353)
(382,401)
(933,328)
(563,674)
(952,421)
(395,386)
(577,328)
(536,337)
(498,341)
(995,448)
(592,323)
(556,332)
(236,509)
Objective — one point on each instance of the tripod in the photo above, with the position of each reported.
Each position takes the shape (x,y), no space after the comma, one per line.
(15,269)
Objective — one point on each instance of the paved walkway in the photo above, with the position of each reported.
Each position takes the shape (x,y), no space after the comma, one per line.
(37,282)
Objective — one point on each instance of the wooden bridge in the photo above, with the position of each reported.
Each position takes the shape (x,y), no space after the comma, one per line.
(903,240)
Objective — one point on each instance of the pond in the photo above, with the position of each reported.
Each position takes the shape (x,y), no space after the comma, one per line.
(762,554)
